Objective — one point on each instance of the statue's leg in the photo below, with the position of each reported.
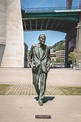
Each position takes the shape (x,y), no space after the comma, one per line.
(36,83)
(43,77)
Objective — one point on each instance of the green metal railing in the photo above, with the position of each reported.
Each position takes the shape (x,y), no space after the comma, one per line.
(48,9)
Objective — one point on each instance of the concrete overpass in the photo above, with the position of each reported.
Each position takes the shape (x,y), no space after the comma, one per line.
(11,29)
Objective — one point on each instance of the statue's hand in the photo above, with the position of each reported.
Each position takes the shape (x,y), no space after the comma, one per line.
(48,67)
(32,64)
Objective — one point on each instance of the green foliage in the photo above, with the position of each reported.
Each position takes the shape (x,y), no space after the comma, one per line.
(70,90)
(59,60)
(4,88)
(72,57)
(52,61)
(59,45)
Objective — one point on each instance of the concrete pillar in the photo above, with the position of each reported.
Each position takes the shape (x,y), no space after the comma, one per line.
(66,53)
(78,43)
(80,5)
(69,36)
(13,55)
(68,4)
(2,28)
(25,55)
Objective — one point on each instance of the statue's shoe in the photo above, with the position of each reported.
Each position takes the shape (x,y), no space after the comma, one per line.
(40,102)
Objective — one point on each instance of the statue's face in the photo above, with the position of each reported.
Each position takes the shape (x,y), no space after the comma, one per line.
(42,39)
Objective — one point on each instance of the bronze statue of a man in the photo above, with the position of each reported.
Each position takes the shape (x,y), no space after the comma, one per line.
(40,63)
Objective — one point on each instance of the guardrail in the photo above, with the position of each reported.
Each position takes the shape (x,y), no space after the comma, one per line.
(48,9)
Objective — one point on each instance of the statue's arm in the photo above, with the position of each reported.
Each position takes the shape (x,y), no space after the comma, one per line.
(49,54)
(49,60)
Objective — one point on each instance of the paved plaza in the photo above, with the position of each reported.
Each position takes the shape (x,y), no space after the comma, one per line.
(56,76)
(23,108)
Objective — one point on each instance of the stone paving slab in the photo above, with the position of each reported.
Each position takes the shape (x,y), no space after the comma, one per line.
(19,108)
(23,108)
(26,89)
(56,76)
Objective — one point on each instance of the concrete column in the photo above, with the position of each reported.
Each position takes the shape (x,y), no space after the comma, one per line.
(2,28)
(66,53)
(68,4)
(14,50)
(2,22)
(25,55)
(69,36)
(80,5)
(78,44)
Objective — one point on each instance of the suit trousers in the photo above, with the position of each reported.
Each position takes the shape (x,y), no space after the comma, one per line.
(39,81)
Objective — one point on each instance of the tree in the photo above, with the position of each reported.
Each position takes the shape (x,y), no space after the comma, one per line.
(59,45)
(72,57)
(52,61)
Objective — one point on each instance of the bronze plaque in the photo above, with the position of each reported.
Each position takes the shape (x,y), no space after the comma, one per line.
(42,116)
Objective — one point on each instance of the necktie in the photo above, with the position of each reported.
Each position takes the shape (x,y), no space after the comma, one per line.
(41,52)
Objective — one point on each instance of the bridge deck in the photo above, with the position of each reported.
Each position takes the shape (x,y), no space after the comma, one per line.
(63,20)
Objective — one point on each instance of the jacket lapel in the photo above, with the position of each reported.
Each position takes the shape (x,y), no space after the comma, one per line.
(37,53)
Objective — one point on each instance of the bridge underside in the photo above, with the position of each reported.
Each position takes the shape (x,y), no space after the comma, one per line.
(48,24)
(59,21)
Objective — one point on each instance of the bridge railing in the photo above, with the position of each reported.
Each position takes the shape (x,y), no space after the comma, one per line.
(48,9)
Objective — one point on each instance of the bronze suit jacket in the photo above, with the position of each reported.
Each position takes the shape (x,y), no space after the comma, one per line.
(38,63)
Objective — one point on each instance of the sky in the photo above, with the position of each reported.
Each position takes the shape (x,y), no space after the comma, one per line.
(31,37)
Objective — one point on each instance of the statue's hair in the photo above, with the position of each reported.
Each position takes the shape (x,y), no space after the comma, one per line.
(41,35)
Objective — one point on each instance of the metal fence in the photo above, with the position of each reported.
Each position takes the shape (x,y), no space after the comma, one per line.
(48,9)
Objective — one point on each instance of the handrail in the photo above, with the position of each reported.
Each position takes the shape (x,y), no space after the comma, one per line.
(47,9)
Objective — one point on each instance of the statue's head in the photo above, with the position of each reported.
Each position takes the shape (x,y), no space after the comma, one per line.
(42,38)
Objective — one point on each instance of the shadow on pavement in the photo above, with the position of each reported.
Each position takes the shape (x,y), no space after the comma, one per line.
(46,98)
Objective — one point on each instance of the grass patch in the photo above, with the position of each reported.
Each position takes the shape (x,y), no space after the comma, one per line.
(4,88)
(70,90)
